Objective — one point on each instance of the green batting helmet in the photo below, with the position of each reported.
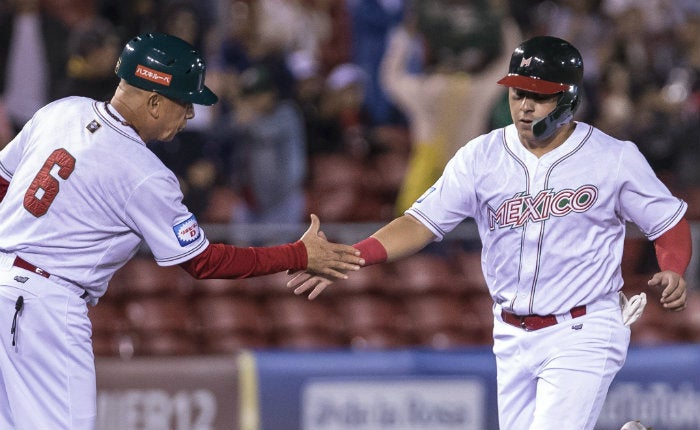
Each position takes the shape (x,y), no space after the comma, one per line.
(166,65)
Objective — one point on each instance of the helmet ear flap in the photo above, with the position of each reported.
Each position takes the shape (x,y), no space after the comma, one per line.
(571,97)
(563,113)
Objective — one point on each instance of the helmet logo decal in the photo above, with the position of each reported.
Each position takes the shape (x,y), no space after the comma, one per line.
(525,62)
(153,75)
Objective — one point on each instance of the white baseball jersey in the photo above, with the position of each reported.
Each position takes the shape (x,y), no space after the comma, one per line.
(85,192)
(552,228)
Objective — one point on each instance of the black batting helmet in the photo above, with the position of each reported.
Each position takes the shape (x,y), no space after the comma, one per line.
(548,65)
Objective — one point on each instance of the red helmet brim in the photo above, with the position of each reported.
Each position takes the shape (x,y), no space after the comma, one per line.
(527,83)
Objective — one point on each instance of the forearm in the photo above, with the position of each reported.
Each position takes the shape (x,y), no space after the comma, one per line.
(400,238)
(221,261)
(674,249)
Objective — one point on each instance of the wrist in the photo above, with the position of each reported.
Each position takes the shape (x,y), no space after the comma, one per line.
(372,251)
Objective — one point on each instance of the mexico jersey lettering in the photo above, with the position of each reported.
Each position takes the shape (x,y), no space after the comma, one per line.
(550,221)
(523,207)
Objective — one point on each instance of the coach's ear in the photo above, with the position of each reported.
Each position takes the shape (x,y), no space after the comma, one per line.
(153,104)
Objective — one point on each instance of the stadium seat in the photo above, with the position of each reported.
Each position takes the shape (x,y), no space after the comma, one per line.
(265,286)
(690,318)
(374,321)
(371,279)
(296,322)
(218,287)
(162,326)
(469,271)
(634,255)
(479,316)
(230,323)
(141,276)
(424,273)
(110,334)
(656,326)
(692,195)
(438,320)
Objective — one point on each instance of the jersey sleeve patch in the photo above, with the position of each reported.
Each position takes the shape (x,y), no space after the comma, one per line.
(187,231)
(425,194)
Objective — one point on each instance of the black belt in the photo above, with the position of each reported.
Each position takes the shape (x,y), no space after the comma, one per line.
(24,264)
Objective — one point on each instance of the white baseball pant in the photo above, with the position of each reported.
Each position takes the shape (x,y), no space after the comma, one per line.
(559,374)
(47,378)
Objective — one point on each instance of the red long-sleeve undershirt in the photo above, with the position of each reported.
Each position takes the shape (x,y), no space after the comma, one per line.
(674,249)
(221,261)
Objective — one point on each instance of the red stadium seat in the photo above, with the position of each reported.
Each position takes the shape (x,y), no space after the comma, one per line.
(218,287)
(690,318)
(297,322)
(110,330)
(370,279)
(230,323)
(162,326)
(469,271)
(374,321)
(445,321)
(141,276)
(424,273)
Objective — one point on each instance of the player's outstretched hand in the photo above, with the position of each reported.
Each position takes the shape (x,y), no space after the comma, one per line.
(303,282)
(674,292)
(327,258)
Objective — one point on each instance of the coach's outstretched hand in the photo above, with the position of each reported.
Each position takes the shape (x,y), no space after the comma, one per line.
(326,258)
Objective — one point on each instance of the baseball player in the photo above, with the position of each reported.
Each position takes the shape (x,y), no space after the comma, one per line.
(551,197)
(80,194)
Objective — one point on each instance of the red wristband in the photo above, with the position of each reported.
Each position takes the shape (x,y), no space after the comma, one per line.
(371,250)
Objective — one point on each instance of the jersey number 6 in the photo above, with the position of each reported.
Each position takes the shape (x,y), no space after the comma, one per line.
(44,187)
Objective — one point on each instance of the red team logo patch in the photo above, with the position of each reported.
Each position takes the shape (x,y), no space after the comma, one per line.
(187,231)
(149,74)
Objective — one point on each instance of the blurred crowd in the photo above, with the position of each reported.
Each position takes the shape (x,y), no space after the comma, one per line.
(350,108)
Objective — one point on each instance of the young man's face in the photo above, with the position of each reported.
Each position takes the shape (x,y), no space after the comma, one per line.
(527,107)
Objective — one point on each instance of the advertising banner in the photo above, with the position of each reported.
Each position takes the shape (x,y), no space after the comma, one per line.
(199,393)
(407,404)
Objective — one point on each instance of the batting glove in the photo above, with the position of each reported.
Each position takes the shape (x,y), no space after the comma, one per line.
(632,309)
